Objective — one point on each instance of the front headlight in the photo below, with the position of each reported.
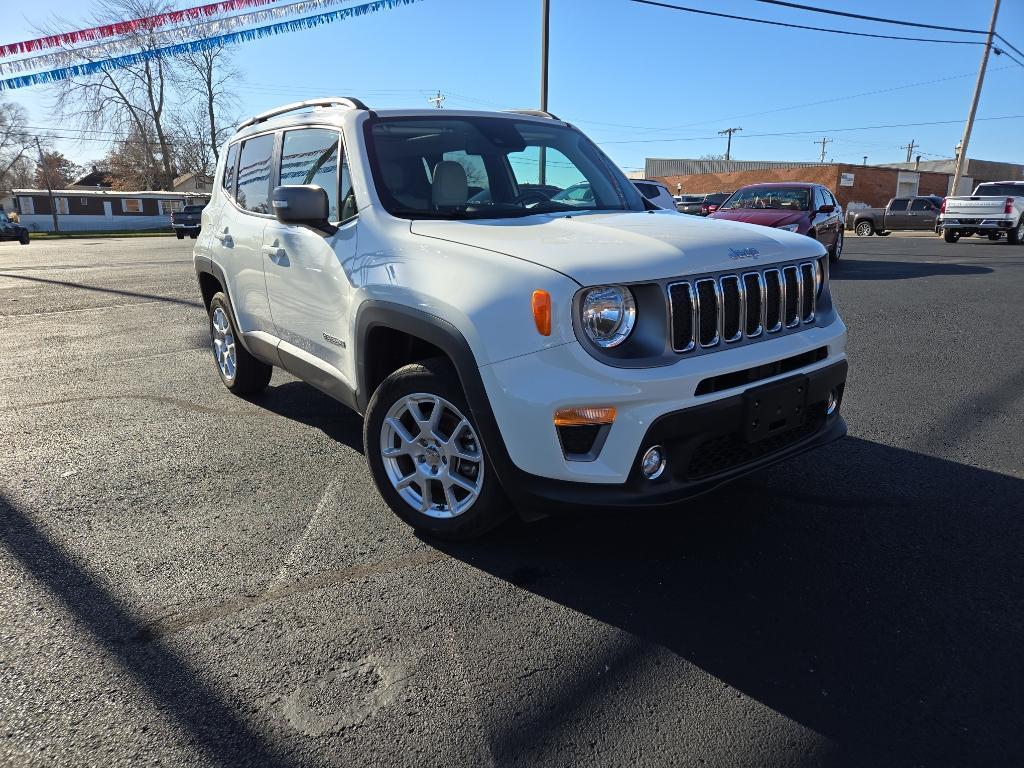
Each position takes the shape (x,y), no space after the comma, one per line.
(608,314)
(790,227)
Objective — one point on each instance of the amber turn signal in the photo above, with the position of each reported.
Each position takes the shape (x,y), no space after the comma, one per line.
(583,415)
(542,312)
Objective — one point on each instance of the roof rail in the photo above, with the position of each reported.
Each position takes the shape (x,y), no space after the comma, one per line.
(533,113)
(333,101)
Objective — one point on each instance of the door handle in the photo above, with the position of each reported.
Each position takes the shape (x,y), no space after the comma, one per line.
(272,251)
(223,237)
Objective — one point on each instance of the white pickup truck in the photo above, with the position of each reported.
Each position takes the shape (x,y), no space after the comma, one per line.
(994,208)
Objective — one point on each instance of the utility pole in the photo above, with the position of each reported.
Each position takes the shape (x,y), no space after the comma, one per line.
(728,145)
(962,154)
(824,140)
(49,189)
(545,16)
(865,159)
(910,149)
(436,100)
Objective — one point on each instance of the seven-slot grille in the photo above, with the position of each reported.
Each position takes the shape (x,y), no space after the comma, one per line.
(711,311)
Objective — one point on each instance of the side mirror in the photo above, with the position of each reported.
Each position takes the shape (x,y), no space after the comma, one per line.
(826,209)
(306,205)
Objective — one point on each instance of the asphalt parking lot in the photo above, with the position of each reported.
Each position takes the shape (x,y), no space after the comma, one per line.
(189,578)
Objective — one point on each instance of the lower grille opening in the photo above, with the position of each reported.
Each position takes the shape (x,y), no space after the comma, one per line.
(766,371)
(721,454)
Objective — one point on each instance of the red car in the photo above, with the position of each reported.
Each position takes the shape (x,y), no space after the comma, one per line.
(807,209)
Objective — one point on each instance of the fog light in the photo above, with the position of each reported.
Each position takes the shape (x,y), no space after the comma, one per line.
(653,462)
(832,404)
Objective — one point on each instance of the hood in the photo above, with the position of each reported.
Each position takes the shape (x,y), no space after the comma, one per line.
(622,247)
(766,217)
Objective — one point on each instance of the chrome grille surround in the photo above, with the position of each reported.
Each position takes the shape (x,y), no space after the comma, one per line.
(744,302)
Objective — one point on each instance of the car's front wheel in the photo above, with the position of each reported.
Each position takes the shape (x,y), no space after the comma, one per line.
(426,456)
(24,240)
(241,373)
(180,234)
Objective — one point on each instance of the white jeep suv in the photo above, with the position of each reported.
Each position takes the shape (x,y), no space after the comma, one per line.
(510,352)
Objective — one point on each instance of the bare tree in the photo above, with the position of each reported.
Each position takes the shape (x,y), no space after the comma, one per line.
(15,144)
(133,100)
(193,151)
(208,77)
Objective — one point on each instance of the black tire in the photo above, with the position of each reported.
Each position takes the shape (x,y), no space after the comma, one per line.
(249,375)
(435,377)
(836,251)
(24,239)
(1015,236)
(193,235)
(994,236)
(180,235)
(864,228)
(951,235)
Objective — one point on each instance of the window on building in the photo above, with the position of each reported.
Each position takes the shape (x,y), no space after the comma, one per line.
(254,173)
(167,207)
(131,205)
(310,156)
(899,204)
(83,201)
(61,204)
(27,205)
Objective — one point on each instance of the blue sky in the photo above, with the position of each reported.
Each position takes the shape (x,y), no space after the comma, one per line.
(641,80)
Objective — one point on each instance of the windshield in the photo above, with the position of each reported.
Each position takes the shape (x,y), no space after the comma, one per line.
(463,167)
(781,198)
(999,190)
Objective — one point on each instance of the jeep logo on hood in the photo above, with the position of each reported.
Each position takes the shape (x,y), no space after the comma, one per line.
(738,254)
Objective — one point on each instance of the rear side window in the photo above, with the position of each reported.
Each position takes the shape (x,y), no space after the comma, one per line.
(254,174)
(228,180)
(310,156)
(898,205)
(647,190)
(921,205)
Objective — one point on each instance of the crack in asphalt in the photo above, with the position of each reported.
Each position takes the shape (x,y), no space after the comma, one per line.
(173,623)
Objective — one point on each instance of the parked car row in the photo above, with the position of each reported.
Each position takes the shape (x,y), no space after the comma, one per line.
(702,204)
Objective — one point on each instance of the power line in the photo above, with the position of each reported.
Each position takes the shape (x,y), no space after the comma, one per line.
(803,26)
(881,19)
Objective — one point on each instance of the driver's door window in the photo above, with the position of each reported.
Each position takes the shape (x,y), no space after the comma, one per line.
(310,156)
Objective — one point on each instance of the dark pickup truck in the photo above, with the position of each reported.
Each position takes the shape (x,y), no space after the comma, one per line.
(921,212)
(187,221)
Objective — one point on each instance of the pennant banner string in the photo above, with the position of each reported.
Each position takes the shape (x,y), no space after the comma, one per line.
(124,27)
(92,67)
(124,45)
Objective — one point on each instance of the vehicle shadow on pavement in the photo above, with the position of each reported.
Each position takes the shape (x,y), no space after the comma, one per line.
(100,289)
(873,594)
(306,404)
(865,269)
(209,721)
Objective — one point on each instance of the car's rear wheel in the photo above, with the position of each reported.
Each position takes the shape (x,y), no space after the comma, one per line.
(1015,236)
(951,235)
(24,239)
(241,373)
(836,251)
(426,456)
(864,229)
(180,234)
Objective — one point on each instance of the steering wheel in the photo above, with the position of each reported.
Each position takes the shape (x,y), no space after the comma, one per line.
(526,198)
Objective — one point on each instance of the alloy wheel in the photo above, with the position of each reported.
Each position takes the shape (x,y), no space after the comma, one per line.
(224,344)
(432,455)
(863,229)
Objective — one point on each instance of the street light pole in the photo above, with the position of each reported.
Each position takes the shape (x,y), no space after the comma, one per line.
(961,156)
(545,12)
